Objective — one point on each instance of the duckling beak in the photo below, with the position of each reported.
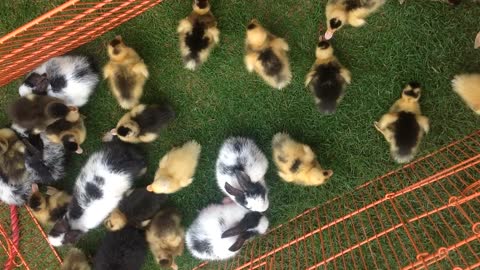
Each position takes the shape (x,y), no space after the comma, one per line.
(149,188)
(79,150)
(34,188)
(329,34)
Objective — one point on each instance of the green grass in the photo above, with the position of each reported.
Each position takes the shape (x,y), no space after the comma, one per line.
(421,40)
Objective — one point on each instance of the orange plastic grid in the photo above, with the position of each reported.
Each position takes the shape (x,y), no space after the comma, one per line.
(34,251)
(425,215)
(61,30)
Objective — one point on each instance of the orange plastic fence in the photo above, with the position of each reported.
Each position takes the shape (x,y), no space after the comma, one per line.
(34,251)
(425,215)
(61,30)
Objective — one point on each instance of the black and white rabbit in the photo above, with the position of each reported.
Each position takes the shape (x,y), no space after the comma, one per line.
(122,250)
(137,207)
(220,230)
(100,186)
(241,167)
(44,163)
(70,78)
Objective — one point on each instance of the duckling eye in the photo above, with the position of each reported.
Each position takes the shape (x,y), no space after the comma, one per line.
(251,26)
(323,45)
(335,23)
(123,131)
(164,262)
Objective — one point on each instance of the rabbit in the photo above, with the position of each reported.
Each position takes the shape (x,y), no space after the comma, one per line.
(240,171)
(99,187)
(404,125)
(137,207)
(75,260)
(348,12)
(143,123)
(70,134)
(198,34)
(327,79)
(220,230)
(166,237)
(125,249)
(126,73)
(266,54)
(72,79)
(36,113)
(176,169)
(50,207)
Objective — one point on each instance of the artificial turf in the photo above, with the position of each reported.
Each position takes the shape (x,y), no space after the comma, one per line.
(425,41)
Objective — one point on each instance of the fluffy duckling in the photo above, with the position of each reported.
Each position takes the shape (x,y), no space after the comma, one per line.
(166,237)
(467,86)
(176,169)
(136,209)
(126,73)
(143,123)
(35,113)
(49,208)
(198,35)
(297,163)
(404,125)
(266,54)
(12,155)
(70,134)
(125,249)
(327,79)
(348,12)
(75,260)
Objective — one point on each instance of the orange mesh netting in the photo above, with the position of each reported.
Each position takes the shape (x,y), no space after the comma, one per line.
(61,30)
(425,215)
(33,252)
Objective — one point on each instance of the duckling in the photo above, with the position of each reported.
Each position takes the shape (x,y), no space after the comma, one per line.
(49,208)
(348,12)
(297,163)
(266,54)
(70,134)
(126,73)
(35,113)
(198,34)
(135,209)
(143,123)
(327,79)
(166,237)
(176,169)
(12,156)
(404,125)
(75,260)
(467,86)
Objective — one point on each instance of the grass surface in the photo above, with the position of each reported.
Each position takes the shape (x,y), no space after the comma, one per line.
(421,40)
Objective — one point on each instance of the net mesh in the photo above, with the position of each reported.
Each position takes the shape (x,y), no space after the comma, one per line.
(425,215)
(61,30)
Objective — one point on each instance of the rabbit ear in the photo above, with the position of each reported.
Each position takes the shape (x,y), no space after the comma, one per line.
(233,191)
(243,179)
(61,226)
(249,221)
(241,240)
(237,245)
(71,237)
